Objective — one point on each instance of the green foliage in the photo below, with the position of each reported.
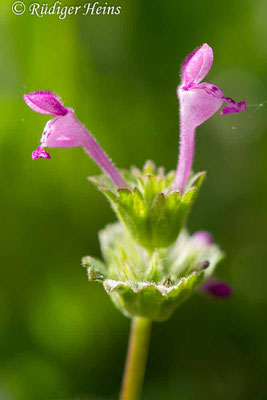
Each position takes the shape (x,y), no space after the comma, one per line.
(153,213)
(156,302)
(145,284)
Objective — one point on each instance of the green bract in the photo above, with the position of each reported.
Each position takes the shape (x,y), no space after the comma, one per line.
(153,213)
(150,284)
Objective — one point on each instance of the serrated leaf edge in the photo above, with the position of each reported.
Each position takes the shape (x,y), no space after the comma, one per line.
(112,285)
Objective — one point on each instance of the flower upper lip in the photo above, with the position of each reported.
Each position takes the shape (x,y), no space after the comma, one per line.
(197,65)
(45,102)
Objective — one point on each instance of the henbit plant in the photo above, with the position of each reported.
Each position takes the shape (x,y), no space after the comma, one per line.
(151,264)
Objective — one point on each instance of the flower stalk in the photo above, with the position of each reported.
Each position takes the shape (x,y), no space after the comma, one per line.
(136,359)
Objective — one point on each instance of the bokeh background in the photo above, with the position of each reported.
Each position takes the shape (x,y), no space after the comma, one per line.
(60,336)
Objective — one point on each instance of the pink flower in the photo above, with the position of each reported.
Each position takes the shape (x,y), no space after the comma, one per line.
(66,131)
(212,286)
(198,102)
(203,237)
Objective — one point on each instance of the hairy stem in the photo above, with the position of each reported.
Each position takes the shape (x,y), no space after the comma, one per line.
(186,154)
(100,157)
(136,359)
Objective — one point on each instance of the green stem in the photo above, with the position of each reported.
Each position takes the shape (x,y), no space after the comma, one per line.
(136,359)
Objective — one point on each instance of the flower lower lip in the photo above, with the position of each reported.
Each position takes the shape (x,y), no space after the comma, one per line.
(40,153)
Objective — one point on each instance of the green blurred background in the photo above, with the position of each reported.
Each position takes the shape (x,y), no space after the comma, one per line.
(60,336)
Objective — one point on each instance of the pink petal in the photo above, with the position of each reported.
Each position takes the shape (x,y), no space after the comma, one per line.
(197,65)
(198,103)
(45,103)
(203,237)
(40,153)
(233,107)
(64,131)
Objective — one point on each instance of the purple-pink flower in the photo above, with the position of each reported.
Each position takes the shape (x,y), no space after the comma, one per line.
(198,102)
(216,288)
(66,131)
